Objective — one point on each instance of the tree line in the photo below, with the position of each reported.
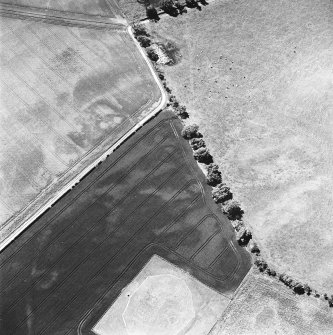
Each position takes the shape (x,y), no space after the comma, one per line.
(171,7)
(221,193)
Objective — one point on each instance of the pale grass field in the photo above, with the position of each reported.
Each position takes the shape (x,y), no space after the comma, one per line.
(257,78)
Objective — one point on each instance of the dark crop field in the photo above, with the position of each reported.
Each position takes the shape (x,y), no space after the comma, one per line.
(149,197)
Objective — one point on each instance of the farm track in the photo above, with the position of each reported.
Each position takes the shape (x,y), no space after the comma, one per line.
(147,198)
(62,18)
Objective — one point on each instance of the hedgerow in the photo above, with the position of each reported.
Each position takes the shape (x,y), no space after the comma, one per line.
(221,193)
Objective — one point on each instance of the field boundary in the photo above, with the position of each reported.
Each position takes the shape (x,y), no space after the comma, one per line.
(73,182)
(58,17)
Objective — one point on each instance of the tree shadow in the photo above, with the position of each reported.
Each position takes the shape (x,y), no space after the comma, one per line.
(152,14)
(172,11)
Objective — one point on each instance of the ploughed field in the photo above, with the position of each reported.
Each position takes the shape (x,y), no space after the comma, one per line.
(149,197)
(257,78)
(67,95)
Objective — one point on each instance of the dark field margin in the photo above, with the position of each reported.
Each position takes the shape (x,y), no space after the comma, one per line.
(149,197)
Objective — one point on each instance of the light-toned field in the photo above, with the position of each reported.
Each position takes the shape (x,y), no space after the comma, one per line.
(91,7)
(263,306)
(163,300)
(257,77)
(67,95)
(132,9)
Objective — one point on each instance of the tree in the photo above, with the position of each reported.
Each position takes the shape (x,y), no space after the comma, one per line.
(233,210)
(144,41)
(221,193)
(181,8)
(168,89)
(214,176)
(288,281)
(152,13)
(140,30)
(238,225)
(181,112)
(202,155)
(191,3)
(282,277)
(191,131)
(244,238)
(173,101)
(298,288)
(261,264)
(166,4)
(169,8)
(330,301)
(307,289)
(152,55)
(197,143)
(160,73)
(203,2)
(255,249)
(271,272)
(257,262)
